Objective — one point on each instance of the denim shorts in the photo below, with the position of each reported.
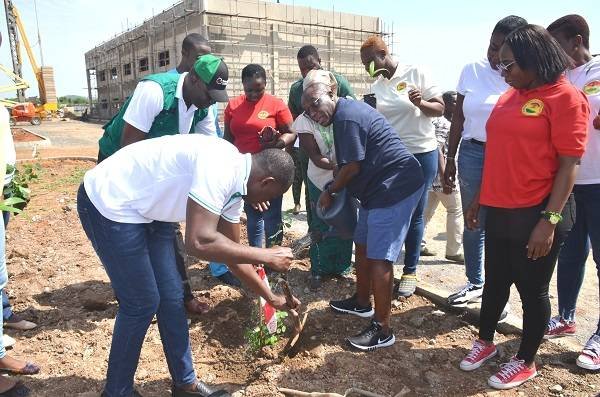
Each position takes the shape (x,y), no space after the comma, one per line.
(383,230)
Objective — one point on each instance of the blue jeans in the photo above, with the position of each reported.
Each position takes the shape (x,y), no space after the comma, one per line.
(6,308)
(268,222)
(140,262)
(3,281)
(412,244)
(470,170)
(572,258)
(217,269)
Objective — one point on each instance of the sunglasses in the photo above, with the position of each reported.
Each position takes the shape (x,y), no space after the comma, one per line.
(505,67)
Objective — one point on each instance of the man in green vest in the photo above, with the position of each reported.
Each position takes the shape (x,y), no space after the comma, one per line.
(170,104)
(167,104)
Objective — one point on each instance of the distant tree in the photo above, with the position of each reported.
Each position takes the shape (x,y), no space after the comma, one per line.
(72,100)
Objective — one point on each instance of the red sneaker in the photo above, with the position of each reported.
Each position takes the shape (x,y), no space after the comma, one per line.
(590,356)
(512,374)
(479,354)
(558,327)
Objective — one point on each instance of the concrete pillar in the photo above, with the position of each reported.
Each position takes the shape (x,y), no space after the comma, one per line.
(330,46)
(89,88)
(274,54)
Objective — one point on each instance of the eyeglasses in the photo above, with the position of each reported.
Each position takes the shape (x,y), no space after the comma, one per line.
(505,67)
(314,106)
(316,103)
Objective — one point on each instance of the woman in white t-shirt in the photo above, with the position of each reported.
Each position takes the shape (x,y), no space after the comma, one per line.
(479,87)
(573,34)
(333,255)
(409,101)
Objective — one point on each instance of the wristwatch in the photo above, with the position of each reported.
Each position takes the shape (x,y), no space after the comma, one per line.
(552,217)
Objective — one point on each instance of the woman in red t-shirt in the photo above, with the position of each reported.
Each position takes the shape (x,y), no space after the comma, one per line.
(255,121)
(536,135)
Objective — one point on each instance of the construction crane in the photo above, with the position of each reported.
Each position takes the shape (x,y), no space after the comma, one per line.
(44,74)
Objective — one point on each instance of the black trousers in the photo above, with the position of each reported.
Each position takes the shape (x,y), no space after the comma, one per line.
(507,233)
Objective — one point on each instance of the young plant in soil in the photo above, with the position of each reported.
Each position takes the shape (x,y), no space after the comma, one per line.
(17,191)
(286,224)
(258,336)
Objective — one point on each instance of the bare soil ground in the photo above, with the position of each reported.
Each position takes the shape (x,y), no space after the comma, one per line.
(57,281)
(22,135)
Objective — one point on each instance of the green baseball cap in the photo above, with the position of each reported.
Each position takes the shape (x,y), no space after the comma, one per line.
(214,73)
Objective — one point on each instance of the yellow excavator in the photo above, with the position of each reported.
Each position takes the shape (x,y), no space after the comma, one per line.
(44,74)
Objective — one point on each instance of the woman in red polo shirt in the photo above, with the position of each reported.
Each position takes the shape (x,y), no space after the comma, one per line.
(536,135)
(255,121)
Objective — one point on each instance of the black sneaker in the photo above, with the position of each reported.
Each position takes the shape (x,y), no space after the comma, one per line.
(372,338)
(229,279)
(350,306)
(467,294)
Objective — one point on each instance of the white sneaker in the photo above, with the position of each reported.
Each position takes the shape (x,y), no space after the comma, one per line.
(8,341)
(467,294)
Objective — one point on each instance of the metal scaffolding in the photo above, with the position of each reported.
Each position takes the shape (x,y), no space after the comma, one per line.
(240,31)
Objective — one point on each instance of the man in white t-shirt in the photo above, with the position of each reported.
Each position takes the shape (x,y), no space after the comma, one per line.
(127,205)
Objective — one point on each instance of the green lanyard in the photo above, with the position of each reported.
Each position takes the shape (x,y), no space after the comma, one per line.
(327,137)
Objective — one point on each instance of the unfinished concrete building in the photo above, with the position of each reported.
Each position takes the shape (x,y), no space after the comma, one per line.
(242,32)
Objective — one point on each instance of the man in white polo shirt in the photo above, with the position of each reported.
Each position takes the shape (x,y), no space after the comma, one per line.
(127,205)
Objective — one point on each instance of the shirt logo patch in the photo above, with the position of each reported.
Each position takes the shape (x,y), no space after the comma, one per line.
(592,88)
(263,114)
(401,86)
(532,107)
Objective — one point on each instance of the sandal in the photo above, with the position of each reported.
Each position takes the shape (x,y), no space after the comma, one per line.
(28,369)
(18,390)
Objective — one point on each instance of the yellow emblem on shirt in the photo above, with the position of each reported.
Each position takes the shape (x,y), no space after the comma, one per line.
(532,107)
(592,87)
(401,86)
(263,114)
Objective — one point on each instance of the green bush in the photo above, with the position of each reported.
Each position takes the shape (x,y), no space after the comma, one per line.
(18,191)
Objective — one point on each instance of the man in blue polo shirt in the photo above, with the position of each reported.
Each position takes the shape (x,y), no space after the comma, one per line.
(376,168)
